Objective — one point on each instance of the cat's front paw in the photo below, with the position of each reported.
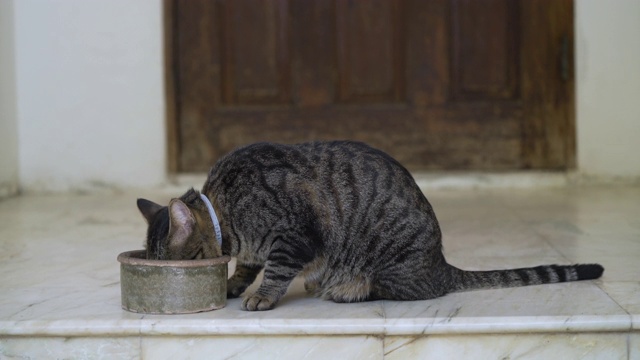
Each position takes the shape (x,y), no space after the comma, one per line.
(235,287)
(234,292)
(257,302)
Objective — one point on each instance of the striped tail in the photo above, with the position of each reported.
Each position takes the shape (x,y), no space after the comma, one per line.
(544,274)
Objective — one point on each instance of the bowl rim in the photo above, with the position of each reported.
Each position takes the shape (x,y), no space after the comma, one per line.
(137,258)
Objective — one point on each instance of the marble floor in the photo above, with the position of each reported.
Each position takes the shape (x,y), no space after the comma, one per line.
(60,290)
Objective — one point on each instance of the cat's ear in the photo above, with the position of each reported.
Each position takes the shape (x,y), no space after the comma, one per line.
(148,209)
(182,223)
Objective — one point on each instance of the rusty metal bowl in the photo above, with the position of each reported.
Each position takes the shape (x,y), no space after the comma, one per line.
(172,286)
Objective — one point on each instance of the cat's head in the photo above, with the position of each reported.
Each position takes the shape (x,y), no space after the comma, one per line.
(180,231)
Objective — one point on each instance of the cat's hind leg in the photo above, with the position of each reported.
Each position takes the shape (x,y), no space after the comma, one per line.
(313,274)
(355,289)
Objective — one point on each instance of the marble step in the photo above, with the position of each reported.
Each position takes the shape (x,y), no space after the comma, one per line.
(60,290)
(572,320)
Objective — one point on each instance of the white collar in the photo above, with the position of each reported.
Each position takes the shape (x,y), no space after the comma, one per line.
(214,218)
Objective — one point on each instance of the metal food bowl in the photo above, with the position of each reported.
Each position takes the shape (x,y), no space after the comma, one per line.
(172,286)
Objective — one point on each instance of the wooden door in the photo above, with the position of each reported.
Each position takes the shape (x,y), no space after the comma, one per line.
(439,84)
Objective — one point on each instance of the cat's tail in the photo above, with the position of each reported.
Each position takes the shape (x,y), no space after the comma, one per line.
(544,274)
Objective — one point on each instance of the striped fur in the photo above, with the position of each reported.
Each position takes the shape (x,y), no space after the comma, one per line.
(348,217)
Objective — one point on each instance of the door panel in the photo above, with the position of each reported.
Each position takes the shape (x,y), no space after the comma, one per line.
(370,51)
(485,54)
(256,65)
(439,84)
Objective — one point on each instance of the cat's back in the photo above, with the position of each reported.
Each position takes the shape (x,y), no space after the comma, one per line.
(351,160)
(358,167)
(347,174)
(267,155)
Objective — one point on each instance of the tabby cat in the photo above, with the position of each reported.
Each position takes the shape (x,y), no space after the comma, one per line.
(347,217)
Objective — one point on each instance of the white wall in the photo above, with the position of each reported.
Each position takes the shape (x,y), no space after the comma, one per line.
(90,94)
(88,100)
(608,87)
(8,116)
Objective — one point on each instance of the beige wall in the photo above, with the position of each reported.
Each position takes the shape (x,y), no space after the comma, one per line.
(89,95)
(608,87)
(82,92)
(8,116)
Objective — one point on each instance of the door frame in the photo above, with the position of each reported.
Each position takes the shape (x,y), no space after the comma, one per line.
(536,149)
(171,119)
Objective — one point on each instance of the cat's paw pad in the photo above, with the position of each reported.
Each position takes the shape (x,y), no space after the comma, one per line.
(257,302)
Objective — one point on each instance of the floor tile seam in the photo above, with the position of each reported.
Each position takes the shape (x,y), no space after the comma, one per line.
(534,230)
(550,243)
(629,315)
(546,239)
(567,259)
(628,343)
(600,286)
(383,311)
